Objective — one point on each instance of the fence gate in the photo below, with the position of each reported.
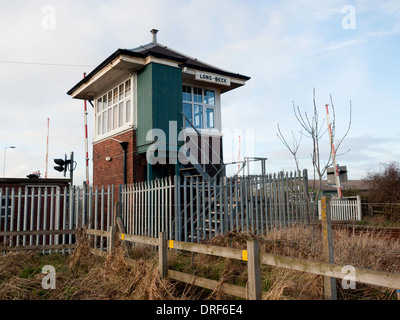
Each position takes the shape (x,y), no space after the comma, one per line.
(344,209)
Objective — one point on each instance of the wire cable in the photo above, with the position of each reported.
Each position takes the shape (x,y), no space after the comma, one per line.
(47,64)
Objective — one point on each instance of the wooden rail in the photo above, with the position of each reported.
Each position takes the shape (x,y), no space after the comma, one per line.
(36,233)
(39,247)
(254,259)
(251,255)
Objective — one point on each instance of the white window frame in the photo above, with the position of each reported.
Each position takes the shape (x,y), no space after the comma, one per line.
(114,109)
(217,109)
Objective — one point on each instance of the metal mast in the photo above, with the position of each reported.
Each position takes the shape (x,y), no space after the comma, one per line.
(47,147)
(86,140)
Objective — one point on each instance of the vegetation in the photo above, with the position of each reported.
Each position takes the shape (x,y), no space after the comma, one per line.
(82,275)
(311,127)
(384,192)
(384,185)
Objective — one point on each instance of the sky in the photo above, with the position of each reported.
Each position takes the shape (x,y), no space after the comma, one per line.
(347,50)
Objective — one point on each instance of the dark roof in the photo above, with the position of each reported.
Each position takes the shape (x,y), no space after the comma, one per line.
(159,51)
(21,182)
(360,185)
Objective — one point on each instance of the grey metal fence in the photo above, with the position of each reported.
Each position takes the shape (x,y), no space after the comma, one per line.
(26,212)
(193,209)
(148,208)
(251,204)
(186,208)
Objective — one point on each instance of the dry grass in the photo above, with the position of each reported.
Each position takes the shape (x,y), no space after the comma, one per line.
(82,275)
(365,250)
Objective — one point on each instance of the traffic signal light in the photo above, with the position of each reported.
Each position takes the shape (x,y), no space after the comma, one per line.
(62,165)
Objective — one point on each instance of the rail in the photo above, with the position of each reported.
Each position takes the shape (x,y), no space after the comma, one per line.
(254,259)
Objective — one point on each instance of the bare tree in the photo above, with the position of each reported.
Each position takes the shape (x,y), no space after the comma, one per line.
(313,128)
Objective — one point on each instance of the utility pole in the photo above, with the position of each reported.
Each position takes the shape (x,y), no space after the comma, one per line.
(86,140)
(47,147)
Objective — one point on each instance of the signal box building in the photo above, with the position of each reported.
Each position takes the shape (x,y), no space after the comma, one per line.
(150,103)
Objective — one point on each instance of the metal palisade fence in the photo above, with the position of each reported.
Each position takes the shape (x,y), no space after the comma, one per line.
(251,204)
(148,207)
(187,209)
(193,209)
(35,216)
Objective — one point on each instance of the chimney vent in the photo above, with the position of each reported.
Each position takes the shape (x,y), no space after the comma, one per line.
(154,33)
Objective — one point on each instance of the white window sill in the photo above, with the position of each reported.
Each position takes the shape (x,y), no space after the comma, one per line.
(113,133)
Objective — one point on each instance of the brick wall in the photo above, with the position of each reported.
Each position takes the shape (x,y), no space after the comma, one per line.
(112,172)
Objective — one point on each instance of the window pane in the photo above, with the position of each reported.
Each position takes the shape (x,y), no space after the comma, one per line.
(110,98)
(115,117)
(209,97)
(99,105)
(187,111)
(186,93)
(209,117)
(128,111)
(121,114)
(104,127)
(197,95)
(99,124)
(121,92)
(198,116)
(115,97)
(127,88)
(109,120)
(104,102)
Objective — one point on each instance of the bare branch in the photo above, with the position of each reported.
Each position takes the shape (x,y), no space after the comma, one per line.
(348,128)
(314,128)
(292,149)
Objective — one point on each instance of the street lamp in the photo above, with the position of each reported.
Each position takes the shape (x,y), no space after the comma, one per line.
(4,166)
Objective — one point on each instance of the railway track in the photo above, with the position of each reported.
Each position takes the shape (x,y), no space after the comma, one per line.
(389,233)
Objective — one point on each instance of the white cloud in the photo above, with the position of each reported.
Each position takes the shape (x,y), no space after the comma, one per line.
(391,7)
(287,47)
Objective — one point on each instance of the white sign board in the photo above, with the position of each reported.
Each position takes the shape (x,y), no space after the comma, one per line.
(213,78)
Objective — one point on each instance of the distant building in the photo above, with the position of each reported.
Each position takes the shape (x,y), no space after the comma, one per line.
(16,183)
(155,87)
(27,187)
(359,187)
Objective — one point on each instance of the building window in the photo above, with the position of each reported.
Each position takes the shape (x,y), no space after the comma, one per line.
(199,107)
(114,108)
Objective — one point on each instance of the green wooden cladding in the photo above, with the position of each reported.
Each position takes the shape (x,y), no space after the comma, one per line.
(159,90)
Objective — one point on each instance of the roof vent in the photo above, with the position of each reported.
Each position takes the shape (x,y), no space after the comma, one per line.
(154,33)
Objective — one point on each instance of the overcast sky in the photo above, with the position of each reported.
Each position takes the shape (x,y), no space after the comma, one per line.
(347,49)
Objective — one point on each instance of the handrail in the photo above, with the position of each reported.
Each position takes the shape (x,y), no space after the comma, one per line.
(199,134)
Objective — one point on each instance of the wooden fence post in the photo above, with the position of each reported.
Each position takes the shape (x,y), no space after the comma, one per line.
(113,234)
(327,248)
(120,225)
(162,254)
(253,265)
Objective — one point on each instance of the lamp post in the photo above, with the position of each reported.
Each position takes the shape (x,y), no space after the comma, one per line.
(4,165)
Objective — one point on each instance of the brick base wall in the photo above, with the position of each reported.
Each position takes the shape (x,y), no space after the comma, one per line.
(112,172)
